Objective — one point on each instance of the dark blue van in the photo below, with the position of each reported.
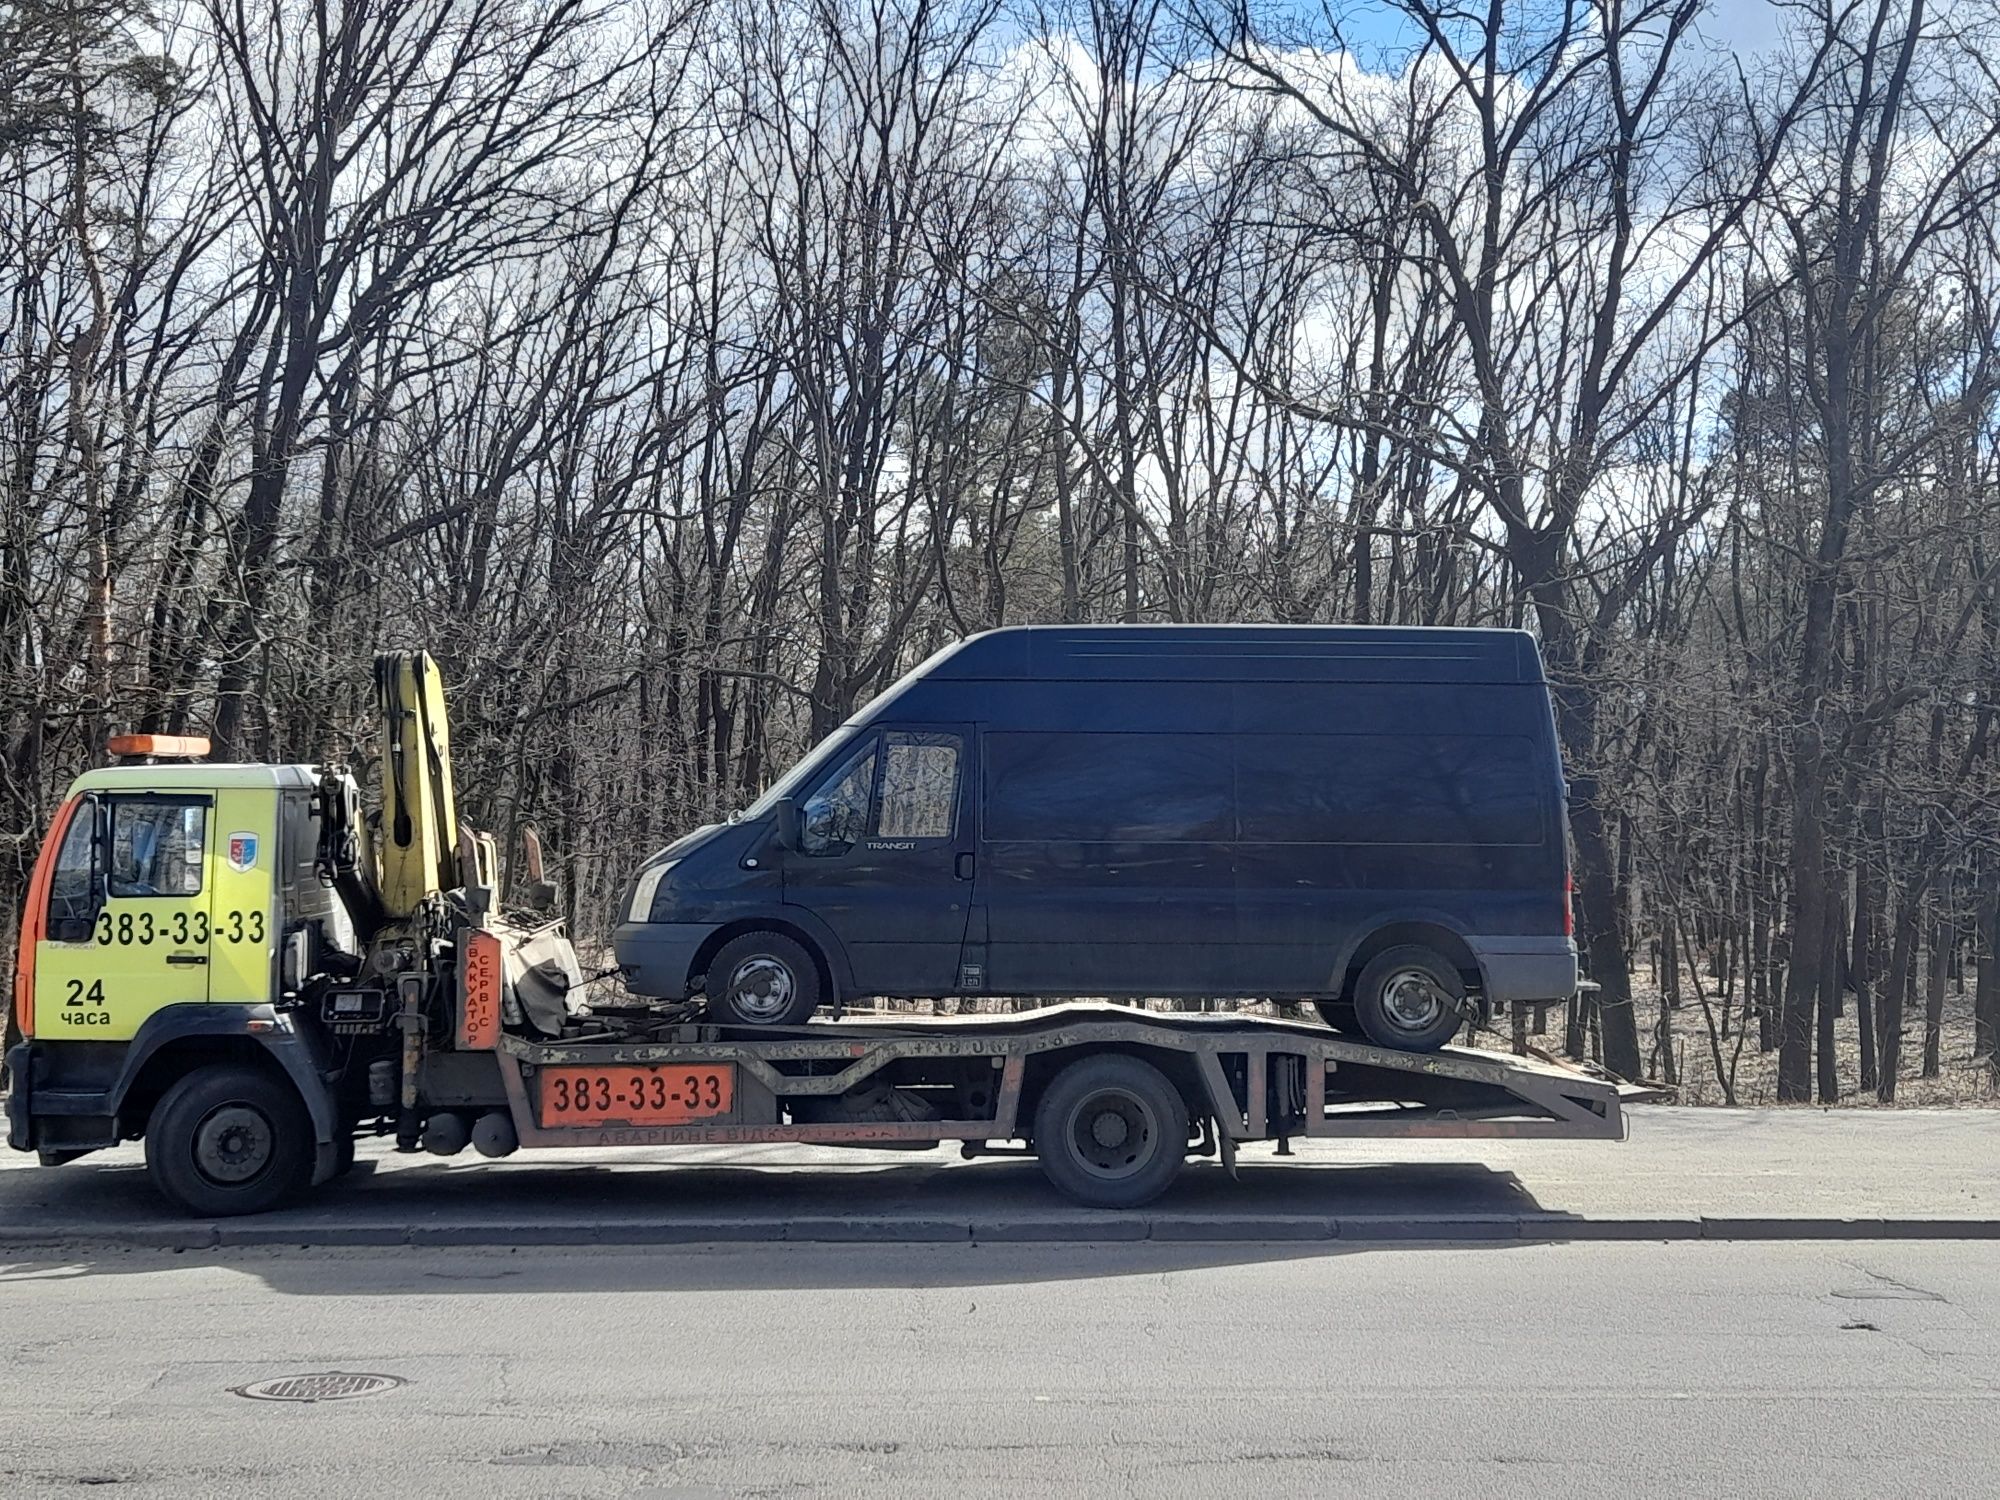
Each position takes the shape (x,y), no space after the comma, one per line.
(1368,818)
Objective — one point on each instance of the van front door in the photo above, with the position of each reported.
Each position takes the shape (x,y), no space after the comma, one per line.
(885,857)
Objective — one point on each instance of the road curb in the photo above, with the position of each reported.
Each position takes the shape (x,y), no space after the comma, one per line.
(1554,1228)
(1941,1229)
(1356,1230)
(1265,1227)
(117,1236)
(1741,1228)
(877,1230)
(234,1233)
(691,1232)
(1428,1227)
(1053,1229)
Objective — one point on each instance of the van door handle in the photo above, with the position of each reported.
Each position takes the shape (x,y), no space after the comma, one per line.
(963,868)
(187,958)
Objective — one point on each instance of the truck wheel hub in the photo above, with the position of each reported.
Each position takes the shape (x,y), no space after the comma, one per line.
(1110,1135)
(233,1144)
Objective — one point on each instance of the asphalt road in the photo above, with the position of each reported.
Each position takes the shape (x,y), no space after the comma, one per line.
(1038,1370)
(1683,1173)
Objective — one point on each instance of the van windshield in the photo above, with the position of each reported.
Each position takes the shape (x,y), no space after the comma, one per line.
(816,759)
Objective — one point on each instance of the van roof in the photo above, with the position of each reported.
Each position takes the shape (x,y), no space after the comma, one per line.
(1239,653)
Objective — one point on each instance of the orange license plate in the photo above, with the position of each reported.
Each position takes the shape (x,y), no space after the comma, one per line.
(659,1095)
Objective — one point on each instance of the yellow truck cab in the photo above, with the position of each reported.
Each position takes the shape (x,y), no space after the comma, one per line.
(166,891)
(229,963)
(162,914)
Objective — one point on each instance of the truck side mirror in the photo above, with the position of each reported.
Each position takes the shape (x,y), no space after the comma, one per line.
(295,960)
(785,820)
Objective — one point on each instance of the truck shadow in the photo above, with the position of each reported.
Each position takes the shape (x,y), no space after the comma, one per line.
(572,1270)
(552,1192)
(91,1194)
(440,1227)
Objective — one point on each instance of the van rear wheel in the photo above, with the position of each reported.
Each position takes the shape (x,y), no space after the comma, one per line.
(229,1139)
(762,979)
(1111,1131)
(1409,998)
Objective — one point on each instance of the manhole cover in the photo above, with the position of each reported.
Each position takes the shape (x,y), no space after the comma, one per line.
(333,1385)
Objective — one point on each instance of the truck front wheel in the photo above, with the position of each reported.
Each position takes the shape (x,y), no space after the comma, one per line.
(1111,1131)
(228,1140)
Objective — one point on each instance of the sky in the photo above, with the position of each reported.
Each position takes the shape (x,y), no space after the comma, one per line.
(1745,26)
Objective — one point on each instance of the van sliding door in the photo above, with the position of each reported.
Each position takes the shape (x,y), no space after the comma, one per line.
(1106,867)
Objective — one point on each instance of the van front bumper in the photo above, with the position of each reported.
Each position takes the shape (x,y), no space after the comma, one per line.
(656,958)
(1525,968)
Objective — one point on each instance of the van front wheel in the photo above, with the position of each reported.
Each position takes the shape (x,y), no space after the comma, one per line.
(762,979)
(1409,998)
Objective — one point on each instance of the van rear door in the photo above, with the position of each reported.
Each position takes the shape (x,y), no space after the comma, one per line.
(885,857)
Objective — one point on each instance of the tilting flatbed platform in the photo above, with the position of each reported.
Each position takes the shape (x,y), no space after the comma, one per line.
(916,1081)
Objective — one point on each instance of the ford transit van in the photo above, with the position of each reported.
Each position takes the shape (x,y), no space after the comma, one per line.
(1368,818)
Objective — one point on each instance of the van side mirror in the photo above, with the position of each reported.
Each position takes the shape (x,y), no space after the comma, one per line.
(785,821)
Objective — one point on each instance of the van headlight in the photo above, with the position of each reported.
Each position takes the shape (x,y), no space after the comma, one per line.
(647,887)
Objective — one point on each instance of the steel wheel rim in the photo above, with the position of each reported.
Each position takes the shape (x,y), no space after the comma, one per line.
(1113,1134)
(762,988)
(1413,1001)
(234,1144)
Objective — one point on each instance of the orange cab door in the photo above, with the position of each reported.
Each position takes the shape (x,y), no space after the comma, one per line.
(58,891)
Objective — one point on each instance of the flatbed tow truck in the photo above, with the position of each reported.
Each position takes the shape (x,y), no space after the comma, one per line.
(233,965)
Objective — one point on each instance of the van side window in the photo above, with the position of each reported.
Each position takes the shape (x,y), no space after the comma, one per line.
(1439,789)
(835,818)
(902,784)
(157,847)
(1104,788)
(919,785)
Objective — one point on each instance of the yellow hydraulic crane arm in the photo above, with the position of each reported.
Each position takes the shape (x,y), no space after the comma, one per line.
(419,841)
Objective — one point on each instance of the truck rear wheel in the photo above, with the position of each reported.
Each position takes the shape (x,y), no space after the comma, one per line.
(227,1140)
(762,979)
(1111,1131)
(1409,998)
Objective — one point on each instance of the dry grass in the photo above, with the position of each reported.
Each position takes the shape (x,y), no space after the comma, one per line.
(1962,1081)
